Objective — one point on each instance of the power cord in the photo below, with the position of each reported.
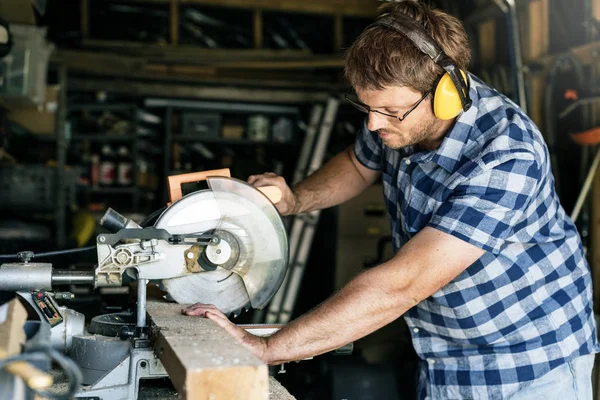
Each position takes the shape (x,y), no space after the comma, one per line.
(69,367)
(47,254)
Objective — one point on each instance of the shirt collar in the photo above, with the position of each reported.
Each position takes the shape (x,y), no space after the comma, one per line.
(453,147)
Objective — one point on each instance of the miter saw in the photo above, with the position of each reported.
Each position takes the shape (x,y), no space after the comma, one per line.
(225,245)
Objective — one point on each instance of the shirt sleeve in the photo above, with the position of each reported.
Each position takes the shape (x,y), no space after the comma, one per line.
(486,209)
(368,148)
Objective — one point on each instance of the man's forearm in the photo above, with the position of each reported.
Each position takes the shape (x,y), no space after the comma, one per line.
(337,181)
(376,297)
(353,312)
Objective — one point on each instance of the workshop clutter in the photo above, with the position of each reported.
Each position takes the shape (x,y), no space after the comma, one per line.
(210,27)
(39,119)
(113,166)
(254,127)
(23,71)
(201,139)
(34,187)
(115,143)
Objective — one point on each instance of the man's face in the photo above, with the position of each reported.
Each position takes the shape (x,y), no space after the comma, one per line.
(420,125)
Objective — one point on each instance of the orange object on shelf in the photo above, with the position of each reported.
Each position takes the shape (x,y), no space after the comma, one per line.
(586,138)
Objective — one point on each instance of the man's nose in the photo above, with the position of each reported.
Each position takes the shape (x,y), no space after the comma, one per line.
(376,121)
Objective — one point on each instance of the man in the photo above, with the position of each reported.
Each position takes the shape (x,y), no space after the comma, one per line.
(489,272)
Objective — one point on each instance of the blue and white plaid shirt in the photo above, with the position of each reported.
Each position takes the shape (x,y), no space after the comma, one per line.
(525,307)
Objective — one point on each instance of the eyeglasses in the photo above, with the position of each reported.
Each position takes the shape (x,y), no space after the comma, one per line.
(366,109)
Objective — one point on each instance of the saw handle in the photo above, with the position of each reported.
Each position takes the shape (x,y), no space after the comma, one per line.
(174,182)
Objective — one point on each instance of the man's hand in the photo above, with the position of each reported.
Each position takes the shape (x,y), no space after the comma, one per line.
(289,203)
(256,344)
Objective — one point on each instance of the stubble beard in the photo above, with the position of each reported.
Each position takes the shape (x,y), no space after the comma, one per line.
(416,135)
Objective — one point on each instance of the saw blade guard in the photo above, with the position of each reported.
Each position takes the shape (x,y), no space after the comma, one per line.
(253,219)
(230,209)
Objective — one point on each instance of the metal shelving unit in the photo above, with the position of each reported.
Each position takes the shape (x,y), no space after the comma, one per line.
(137,145)
(171,106)
(61,158)
(238,142)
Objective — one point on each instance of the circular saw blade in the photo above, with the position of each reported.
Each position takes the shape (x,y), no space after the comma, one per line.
(235,207)
(220,287)
(260,232)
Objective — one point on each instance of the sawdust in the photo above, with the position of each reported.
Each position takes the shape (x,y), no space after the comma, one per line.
(155,389)
(278,392)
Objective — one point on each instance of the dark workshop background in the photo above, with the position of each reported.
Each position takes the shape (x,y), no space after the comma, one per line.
(100,101)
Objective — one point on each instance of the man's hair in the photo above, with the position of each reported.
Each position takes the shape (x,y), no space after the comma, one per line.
(382,57)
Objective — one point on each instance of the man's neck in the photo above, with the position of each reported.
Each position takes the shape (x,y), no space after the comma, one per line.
(435,139)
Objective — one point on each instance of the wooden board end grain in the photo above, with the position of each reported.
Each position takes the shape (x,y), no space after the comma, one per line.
(203,360)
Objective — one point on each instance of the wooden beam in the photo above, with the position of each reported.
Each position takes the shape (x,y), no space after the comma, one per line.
(174,21)
(487,42)
(356,8)
(594,245)
(335,63)
(203,360)
(595,61)
(144,88)
(595,239)
(85,18)
(227,61)
(314,63)
(537,46)
(188,53)
(284,74)
(12,337)
(539,37)
(338,33)
(194,70)
(258,29)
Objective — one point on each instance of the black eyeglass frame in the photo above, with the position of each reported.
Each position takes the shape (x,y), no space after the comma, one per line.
(366,109)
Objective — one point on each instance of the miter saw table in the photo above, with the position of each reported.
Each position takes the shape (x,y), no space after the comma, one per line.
(225,245)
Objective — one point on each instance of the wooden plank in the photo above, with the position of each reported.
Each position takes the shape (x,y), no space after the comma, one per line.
(338,33)
(179,69)
(142,88)
(356,8)
(487,42)
(188,53)
(285,73)
(195,70)
(85,18)
(203,360)
(278,392)
(539,37)
(595,226)
(258,29)
(12,335)
(313,63)
(536,108)
(595,63)
(595,239)
(174,21)
(537,46)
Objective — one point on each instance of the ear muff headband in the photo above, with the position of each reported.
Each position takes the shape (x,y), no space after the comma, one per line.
(451,93)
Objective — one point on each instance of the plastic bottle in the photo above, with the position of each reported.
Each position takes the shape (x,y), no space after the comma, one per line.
(124,168)
(107,167)
(95,170)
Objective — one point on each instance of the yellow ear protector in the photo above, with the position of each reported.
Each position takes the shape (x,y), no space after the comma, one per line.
(451,92)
